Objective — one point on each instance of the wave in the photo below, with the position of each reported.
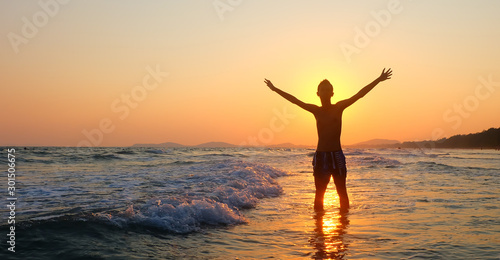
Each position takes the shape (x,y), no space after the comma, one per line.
(126,152)
(215,195)
(374,161)
(356,151)
(347,152)
(434,165)
(155,151)
(242,188)
(442,167)
(184,162)
(351,152)
(34,160)
(184,218)
(216,154)
(105,156)
(41,152)
(474,158)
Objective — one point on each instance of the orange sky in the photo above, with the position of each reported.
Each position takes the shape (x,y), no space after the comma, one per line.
(116,73)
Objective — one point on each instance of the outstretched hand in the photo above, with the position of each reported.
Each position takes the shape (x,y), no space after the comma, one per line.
(385,74)
(269,84)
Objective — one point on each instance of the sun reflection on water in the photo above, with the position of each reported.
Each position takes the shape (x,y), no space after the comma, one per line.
(328,236)
(327,239)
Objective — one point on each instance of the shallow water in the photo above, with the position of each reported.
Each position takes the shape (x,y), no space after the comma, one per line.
(138,203)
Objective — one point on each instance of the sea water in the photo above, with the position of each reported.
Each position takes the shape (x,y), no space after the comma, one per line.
(249,203)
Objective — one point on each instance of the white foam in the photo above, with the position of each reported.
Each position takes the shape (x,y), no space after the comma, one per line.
(184,218)
(241,185)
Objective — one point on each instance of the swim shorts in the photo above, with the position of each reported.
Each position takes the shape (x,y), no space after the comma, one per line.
(329,163)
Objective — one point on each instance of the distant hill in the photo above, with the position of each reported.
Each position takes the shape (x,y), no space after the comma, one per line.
(216,145)
(486,139)
(374,143)
(167,145)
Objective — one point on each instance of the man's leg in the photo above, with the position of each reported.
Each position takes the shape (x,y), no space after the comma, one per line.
(321,181)
(340,185)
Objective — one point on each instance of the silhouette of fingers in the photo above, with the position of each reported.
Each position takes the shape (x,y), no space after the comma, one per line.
(388,73)
(268,83)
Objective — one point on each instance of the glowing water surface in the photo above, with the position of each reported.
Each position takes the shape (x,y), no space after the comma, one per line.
(232,203)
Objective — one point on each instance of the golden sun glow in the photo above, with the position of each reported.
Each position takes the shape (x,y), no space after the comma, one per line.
(328,239)
(214,89)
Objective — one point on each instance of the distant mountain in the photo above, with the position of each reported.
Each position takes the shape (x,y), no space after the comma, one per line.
(215,144)
(374,143)
(167,145)
(486,139)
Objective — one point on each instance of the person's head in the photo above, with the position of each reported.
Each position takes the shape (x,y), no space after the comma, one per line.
(325,89)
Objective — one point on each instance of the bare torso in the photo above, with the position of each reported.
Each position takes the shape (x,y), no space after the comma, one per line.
(329,126)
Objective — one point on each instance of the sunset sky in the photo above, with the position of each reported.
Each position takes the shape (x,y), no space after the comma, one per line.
(115,73)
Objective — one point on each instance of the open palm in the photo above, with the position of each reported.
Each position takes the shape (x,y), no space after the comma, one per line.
(385,74)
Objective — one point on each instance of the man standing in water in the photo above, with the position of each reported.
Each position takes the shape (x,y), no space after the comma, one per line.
(329,159)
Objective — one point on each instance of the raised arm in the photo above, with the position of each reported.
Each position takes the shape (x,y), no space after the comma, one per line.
(296,101)
(383,76)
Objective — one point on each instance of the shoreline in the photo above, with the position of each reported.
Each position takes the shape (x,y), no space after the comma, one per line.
(257,147)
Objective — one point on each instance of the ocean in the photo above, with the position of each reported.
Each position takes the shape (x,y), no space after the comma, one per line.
(247,203)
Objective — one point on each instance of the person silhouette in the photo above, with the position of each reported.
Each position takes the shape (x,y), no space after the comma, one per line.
(329,160)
